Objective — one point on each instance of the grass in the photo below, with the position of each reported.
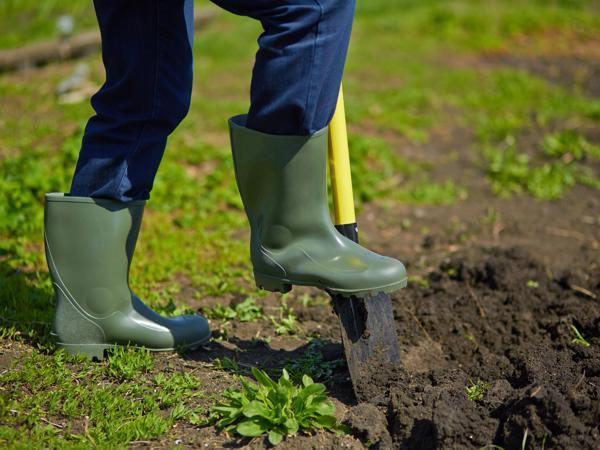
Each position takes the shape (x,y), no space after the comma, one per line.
(414,73)
(65,401)
(510,171)
(246,311)
(285,322)
(579,339)
(25,21)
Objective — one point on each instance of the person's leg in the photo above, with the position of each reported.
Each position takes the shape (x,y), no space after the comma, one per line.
(90,242)
(147,53)
(299,63)
(280,152)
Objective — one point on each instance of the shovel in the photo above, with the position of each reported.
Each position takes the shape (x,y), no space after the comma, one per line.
(368,328)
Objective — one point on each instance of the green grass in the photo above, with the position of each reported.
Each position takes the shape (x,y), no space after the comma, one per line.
(25,21)
(579,339)
(246,311)
(511,172)
(65,402)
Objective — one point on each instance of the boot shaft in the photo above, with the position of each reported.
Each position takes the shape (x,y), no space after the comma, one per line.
(282,182)
(89,245)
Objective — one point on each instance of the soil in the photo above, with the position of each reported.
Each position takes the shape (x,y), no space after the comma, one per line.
(479,320)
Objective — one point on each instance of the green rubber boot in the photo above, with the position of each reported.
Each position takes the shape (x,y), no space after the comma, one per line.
(89,246)
(282,181)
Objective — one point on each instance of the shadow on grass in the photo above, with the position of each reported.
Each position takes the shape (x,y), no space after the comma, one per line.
(325,363)
(26,305)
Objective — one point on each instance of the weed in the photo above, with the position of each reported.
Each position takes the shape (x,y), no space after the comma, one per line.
(277,409)
(533,284)
(285,323)
(507,170)
(312,363)
(246,311)
(569,145)
(427,192)
(551,181)
(126,363)
(419,281)
(578,339)
(491,216)
(510,173)
(307,300)
(476,390)
(227,364)
(523,443)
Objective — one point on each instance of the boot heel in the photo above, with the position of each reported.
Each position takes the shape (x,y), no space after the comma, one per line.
(74,332)
(271,284)
(91,351)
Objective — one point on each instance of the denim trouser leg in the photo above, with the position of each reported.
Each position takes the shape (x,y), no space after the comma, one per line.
(299,63)
(147,53)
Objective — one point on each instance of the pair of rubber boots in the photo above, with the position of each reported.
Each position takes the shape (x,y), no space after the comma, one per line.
(282,180)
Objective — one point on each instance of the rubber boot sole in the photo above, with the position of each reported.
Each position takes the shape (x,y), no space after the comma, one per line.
(283,285)
(98,351)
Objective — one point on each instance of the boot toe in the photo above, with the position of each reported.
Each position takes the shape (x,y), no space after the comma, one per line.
(191,330)
(388,272)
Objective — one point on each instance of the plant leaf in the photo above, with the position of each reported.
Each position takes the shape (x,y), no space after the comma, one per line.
(306,380)
(263,378)
(325,408)
(255,408)
(292,425)
(275,437)
(327,422)
(250,428)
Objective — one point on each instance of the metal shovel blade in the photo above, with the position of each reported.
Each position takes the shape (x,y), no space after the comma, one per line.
(368,335)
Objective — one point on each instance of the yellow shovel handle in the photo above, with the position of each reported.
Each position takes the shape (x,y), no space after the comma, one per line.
(339,167)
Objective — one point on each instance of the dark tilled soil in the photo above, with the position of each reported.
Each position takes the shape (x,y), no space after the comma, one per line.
(479,320)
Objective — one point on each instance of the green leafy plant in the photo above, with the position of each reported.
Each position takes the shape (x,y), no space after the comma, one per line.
(286,322)
(307,300)
(510,173)
(312,363)
(552,180)
(277,409)
(507,169)
(476,390)
(570,145)
(579,339)
(227,364)
(246,311)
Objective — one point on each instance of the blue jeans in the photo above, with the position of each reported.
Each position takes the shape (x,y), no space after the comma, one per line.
(147,53)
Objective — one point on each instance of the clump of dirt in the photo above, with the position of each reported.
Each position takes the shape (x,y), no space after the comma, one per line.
(493,316)
(370,425)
